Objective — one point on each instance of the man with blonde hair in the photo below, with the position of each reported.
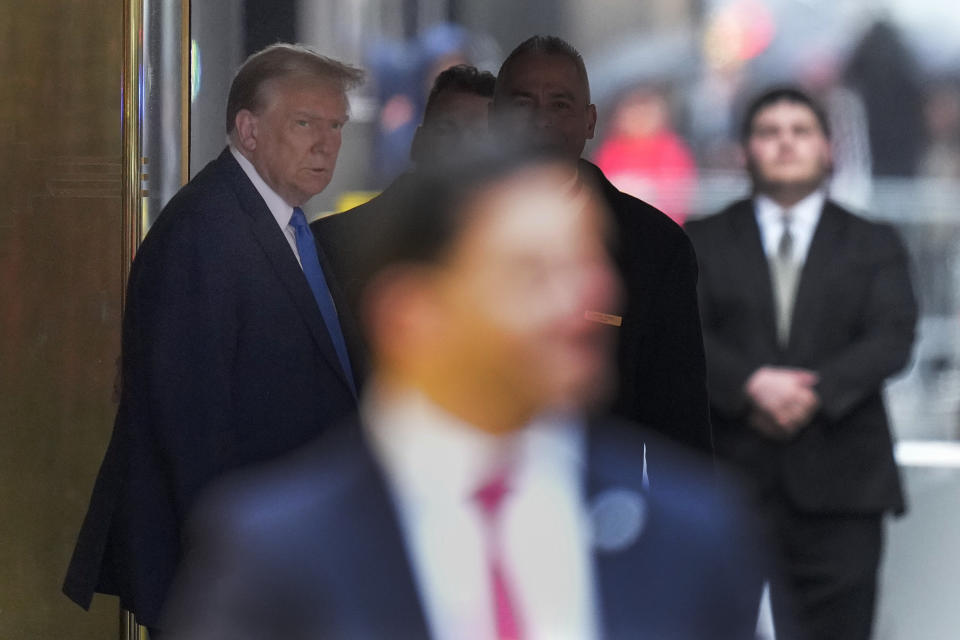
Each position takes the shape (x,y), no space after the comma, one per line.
(234,347)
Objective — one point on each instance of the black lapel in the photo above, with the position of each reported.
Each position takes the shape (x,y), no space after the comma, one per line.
(275,246)
(821,259)
(755,269)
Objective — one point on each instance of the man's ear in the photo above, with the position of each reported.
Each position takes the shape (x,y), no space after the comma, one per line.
(591,120)
(246,127)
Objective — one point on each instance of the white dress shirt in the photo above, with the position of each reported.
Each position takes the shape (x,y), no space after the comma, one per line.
(804,217)
(281,211)
(433,463)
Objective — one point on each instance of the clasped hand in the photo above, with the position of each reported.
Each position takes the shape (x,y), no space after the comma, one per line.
(783,400)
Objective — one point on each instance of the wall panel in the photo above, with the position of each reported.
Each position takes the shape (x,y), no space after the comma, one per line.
(60,269)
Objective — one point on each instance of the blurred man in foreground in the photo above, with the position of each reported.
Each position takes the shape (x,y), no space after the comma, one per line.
(455,114)
(473,501)
(542,90)
(807,309)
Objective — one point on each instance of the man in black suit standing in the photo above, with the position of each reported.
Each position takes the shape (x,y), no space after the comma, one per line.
(807,309)
(234,348)
(476,500)
(543,90)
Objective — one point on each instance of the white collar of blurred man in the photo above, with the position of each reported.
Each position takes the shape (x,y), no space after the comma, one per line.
(434,464)
(493,329)
(786,149)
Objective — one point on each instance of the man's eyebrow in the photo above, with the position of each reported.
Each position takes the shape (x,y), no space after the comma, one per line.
(562,93)
(314,116)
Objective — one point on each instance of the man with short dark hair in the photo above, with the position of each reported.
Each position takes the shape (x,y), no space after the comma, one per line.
(234,349)
(542,89)
(807,309)
(454,116)
(471,497)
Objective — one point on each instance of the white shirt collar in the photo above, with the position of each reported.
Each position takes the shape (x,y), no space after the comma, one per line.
(804,217)
(430,454)
(281,211)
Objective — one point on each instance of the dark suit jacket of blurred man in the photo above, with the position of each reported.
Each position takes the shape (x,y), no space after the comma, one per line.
(312,547)
(227,361)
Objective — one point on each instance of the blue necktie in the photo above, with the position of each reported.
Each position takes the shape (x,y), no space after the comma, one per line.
(307,248)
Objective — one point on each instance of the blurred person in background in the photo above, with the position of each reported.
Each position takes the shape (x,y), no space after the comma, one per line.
(470,498)
(644,157)
(233,347)
(404,73)
(884,71)
(807,309)
(941,114)
(542,90)
(455,114)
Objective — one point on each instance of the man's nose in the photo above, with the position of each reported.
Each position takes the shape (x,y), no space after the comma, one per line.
(324,142)
(542,118)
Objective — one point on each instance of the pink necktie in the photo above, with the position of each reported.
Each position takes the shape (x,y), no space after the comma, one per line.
(490,498)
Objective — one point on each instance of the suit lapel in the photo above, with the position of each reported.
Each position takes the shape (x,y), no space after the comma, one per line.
(821,259)
(270,238)
(754,269)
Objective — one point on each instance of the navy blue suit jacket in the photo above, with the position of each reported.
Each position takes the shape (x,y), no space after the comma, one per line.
(311,547)
(226,361)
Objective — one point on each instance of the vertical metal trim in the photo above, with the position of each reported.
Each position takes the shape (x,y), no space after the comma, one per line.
(186,89)
(129,629)
(130,125)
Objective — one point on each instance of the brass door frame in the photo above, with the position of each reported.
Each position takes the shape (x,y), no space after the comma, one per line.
(136,163)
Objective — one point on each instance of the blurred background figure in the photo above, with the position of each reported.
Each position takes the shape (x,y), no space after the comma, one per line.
(470,498)
(404,73)
(643,155)
(884,72)
(941,114)
(807,310)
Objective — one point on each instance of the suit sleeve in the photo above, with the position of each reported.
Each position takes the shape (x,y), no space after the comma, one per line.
(727,375)
(181,336)
(886,333)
